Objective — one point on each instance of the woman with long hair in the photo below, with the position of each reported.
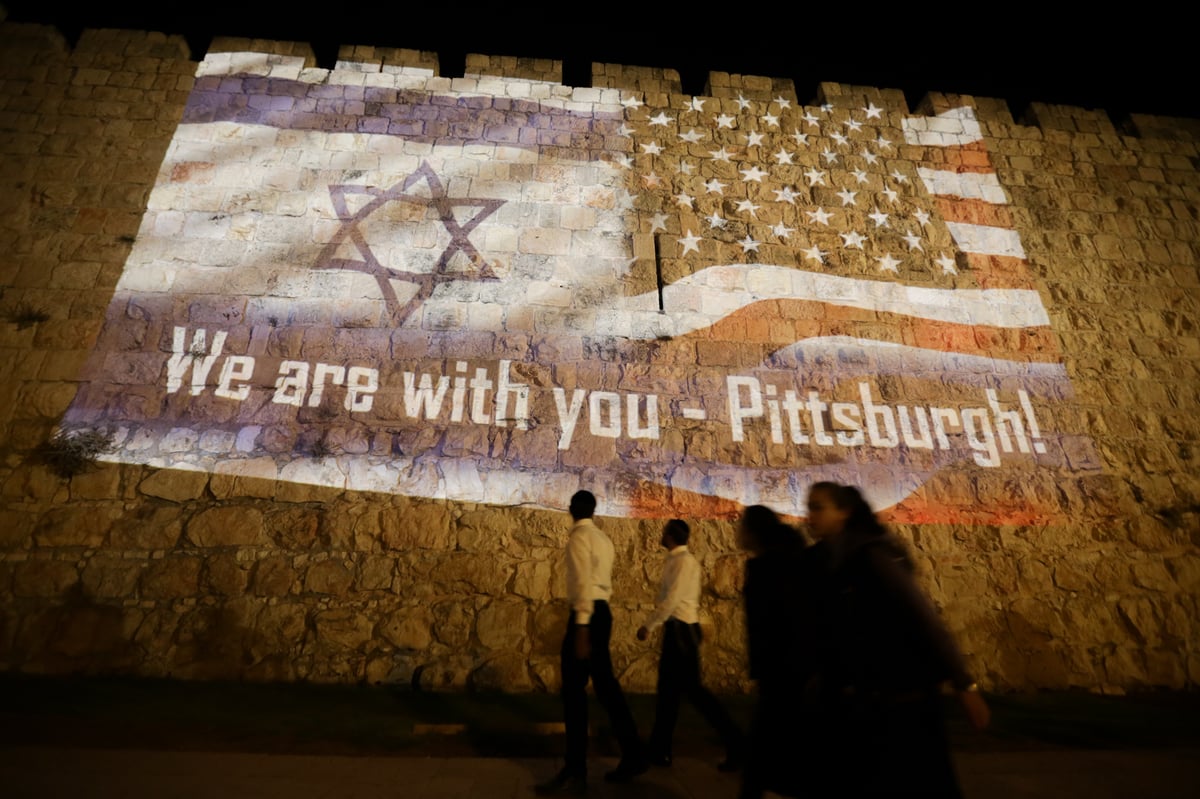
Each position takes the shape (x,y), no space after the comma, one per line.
(886,657)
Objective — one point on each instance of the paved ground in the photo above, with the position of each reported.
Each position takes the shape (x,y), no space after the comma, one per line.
(132,739)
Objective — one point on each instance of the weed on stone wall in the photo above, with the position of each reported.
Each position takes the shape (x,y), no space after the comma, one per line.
(72,452)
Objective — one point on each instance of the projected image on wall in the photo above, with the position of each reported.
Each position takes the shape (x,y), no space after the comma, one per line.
(501,291)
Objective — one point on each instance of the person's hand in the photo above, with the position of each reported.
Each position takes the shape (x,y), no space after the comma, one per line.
(583,643)
(976,708)
(642,633)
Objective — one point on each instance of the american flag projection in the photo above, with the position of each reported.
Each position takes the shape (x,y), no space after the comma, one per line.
(501,291)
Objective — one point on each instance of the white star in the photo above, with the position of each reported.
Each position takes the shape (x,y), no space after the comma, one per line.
(947,264)
(899,176)
(715,186)
(870,157)
(690,243)
(623,160)
(783,103)
(814,177)
(753,138)
(631,102)
(721,155)
(624,130)
(814,253)
(839,138)
(752,174)
(746,205)
(743,103)
(801,138)
(854,125)
(661,119)
(786,195)
(830,156)
(859,175)
(770,119)
(883,143)
(847,197)
(651,147)
(651,181)
(725,121)
(820,216)
(812,120)
(658,222)
(716,220)
(692,136)
(697,104)
(685,168)
(783,157)
(890,194)
(852,239)
(879,218)
(913,241)
(749,244)
(872,112)
(684,200)
(888,264)
(827,107)
(782,231)
(922,216)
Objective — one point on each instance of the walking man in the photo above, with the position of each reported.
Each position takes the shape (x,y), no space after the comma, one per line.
(585,656)
(678,613)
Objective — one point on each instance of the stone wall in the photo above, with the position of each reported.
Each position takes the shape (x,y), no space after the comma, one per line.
(196,573)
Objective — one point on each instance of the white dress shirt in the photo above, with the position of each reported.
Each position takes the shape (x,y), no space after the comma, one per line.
(589,568)
(679,592)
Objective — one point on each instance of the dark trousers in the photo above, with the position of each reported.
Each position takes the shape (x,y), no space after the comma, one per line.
(598,668)
(679,678)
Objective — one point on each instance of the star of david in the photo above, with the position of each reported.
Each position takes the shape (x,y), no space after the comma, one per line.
(425,281)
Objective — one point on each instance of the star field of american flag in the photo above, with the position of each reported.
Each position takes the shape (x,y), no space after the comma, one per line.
(825,188)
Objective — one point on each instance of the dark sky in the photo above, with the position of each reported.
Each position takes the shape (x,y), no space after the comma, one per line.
(1142,62)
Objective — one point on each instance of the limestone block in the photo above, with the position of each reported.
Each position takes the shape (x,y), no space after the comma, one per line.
(533,579)
(376,572)
(227,525)
(103,482)
(443,674)
(344,628)
(331,577)
(726,577)
(278,631)
(507,672)
(223,574)
(171,578)
(479,574)
(146,526)
(1152,574)
(84,525)
(90,632)
(294,528)
(174,485)
(453,621)
(503,624)
(43,578)
(549,627)
(273,576)
(15,528)
(112,577)
(420,526)
(409,628)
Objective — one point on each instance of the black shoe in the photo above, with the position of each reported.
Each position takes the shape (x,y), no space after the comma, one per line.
(565,783)
(626,770)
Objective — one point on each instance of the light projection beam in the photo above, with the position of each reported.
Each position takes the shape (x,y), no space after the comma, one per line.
(383,281)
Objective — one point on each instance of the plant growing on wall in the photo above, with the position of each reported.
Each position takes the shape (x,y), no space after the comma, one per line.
(72,452)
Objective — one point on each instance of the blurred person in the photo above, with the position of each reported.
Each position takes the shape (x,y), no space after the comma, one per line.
(678,612)
(780,629)
(886,658)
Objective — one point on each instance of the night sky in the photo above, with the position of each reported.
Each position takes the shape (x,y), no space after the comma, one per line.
(1139,63)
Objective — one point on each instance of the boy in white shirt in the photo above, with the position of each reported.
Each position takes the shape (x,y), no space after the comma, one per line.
(678,612)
